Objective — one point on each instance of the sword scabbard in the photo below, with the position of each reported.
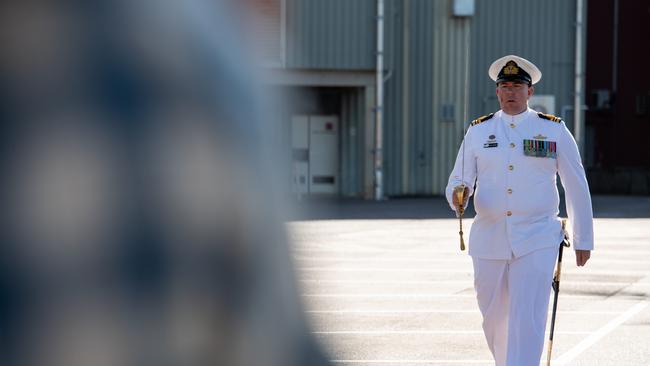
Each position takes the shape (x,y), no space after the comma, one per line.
(556,289)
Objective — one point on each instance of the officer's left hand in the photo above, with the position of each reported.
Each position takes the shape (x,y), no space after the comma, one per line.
(582,256)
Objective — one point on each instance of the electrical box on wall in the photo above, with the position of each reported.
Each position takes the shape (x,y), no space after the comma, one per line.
(542,103)
(315,152)
(463,8)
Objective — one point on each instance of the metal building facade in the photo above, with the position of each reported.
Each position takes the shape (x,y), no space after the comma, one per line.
(425,58)
(331,34)
(330,47)
(540,31)
(426,49)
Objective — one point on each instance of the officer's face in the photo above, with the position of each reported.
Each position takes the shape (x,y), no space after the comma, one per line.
(513,96)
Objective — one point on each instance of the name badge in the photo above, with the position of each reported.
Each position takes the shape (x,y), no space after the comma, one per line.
(491,142)
(540,149)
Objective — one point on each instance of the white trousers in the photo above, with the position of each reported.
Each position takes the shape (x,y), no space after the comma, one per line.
(513,297)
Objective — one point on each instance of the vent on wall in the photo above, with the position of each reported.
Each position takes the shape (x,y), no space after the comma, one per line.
(600,99)
(643,105)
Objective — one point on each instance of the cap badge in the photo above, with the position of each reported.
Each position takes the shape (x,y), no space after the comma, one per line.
(511,68)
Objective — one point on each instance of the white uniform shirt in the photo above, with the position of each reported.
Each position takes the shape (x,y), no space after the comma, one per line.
(516,197)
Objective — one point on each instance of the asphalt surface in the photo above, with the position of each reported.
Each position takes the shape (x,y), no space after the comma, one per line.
(385,283)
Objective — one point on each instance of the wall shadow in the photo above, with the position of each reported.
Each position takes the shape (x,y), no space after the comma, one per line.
(436,207)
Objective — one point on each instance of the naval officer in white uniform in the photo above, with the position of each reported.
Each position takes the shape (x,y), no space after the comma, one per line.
(511,159)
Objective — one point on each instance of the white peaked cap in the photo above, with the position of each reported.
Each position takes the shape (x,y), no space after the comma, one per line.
(524,64)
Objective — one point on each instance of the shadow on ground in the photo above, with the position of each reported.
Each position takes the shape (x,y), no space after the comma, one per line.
(437,208)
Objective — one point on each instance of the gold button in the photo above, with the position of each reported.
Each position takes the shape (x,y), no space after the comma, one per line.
(510,167)
(512,144)
(509,213)
(513,125)
(510,190)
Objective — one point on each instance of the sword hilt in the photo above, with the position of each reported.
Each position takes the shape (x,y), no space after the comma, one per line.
(565,233)
(459,193)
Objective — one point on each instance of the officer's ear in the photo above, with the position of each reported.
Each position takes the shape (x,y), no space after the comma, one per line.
(531,91)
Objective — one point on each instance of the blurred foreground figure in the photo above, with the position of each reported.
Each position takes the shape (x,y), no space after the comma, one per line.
(138,226)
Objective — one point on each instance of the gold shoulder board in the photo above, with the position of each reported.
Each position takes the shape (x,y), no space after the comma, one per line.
(481,119)
(549,117)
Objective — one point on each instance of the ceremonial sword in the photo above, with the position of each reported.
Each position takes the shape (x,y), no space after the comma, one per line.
(556,290)
(460,198)
(459,191)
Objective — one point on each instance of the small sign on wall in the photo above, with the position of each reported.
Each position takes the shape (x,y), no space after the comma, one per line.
(542,103)
(463,8)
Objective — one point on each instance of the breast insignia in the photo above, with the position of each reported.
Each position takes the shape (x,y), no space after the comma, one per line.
(549,117)
(481,119)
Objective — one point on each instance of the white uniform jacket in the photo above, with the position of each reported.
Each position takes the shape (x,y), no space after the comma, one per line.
(514,161)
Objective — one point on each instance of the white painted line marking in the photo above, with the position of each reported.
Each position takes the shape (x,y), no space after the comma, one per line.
(434,258)
(392,311)
(468,270)
(373,251)
(468,281)
(420,332)
(384,259)
(400,332)
(380,269)
(425,296)
(444,311)
(401,362)
(620,252)
(411,250)
(392,295)
(600,333)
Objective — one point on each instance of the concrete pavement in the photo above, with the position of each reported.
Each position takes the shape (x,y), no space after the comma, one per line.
(385,283)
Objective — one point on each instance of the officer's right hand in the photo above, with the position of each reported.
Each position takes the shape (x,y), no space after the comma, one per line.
(455,198)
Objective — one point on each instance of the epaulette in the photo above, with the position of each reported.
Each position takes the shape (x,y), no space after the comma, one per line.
(481,119)
(549,117)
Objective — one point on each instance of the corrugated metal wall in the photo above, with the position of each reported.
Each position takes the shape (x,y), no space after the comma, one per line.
(540,31)
(352,142)
(331,34)
(451,51)
(425,56)
(409,49)
(425,53)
